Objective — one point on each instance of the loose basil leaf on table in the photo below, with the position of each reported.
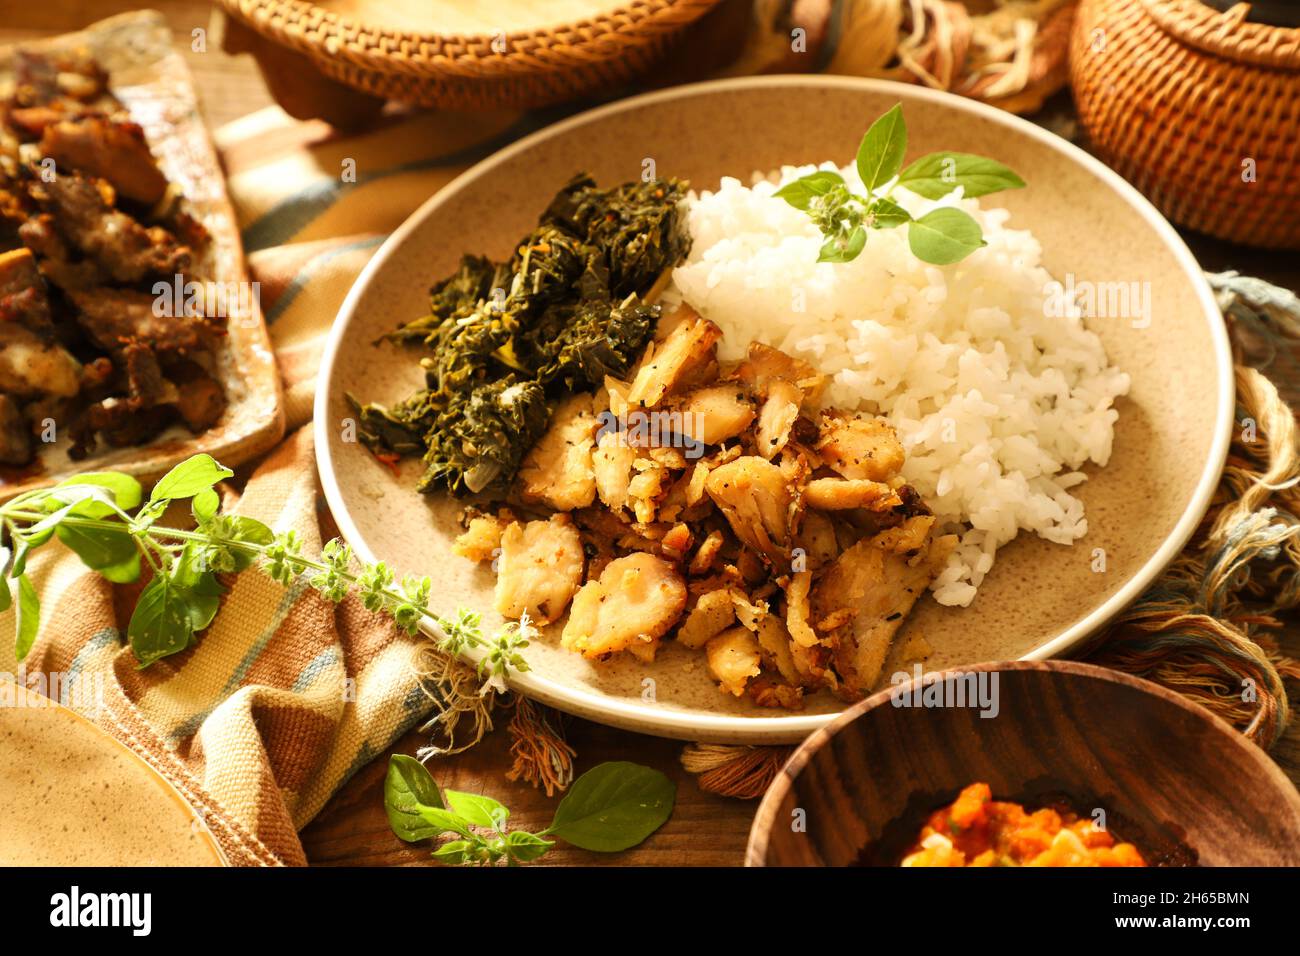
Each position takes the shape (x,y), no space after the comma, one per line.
(526,847)
(614,806)
(611,807)
(408,789)
(476,810)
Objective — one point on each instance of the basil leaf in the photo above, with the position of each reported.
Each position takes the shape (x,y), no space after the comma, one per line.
(880,154)
(198,588)
(526,847)
(444,820)
(801,192)
(205,505)
(203,607)
(27,614)
(944,236)
(452,853)
(6,596)
(614,806)
(90,501)
(102,548)
(161,623)
(43,530)
(408,788)
(125,490)
(249,531)
(477,810)
(189,478)
(843,248)
(123,573)
(938,174)
(20,559)
(887,214)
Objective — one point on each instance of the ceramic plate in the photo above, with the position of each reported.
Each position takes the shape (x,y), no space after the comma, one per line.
(71,795)
(1040,600)
(152,81)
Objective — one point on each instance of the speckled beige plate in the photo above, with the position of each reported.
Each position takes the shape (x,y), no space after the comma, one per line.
(1041,599)
(71,795)
(152,80)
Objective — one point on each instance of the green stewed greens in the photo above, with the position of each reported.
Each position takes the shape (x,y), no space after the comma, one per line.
(505,340)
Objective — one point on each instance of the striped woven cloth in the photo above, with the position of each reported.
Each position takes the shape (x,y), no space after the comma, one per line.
(285,696)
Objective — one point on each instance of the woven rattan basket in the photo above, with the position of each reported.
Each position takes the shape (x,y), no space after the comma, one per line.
(370,48)
(1198,109)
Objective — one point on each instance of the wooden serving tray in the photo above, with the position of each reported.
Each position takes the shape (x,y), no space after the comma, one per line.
(151,79)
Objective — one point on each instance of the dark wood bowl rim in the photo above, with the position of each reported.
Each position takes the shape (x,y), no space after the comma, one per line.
(760,831)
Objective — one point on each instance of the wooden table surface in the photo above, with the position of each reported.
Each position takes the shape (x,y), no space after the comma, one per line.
(704,830)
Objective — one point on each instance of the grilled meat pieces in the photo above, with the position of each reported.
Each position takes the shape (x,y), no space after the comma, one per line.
(113,318)
(88,226)
(83,213)
(723,508)
(114,151)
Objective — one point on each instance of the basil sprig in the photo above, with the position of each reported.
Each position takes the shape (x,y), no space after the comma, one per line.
(612,807)
(103,517)
(941,237)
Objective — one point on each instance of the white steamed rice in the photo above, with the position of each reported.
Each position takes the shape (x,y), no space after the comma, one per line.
(998,402)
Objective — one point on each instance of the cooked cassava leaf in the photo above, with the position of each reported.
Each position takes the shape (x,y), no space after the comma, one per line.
(504,341)
(478,443)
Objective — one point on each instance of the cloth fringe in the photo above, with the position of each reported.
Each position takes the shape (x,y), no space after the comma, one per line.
(542,756)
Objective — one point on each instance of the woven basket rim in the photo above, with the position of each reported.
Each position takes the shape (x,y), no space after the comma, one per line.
(1227,34)
(309,28)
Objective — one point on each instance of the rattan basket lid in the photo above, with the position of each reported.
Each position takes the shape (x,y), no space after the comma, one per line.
(468,38)
(469,17)
(1227,34)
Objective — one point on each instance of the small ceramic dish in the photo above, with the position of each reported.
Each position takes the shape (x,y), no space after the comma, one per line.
(131,816)
(1169,776)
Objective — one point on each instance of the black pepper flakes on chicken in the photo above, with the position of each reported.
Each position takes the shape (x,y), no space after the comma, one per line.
(88,225)
(776,536)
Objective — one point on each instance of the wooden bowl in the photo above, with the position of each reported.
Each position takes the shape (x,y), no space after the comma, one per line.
(1171,777)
